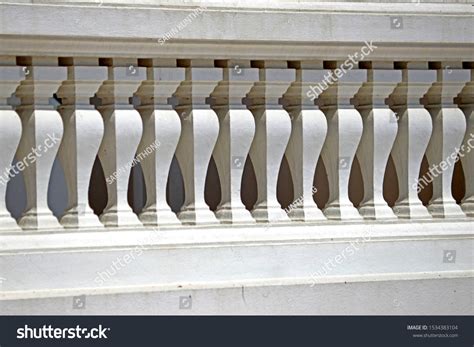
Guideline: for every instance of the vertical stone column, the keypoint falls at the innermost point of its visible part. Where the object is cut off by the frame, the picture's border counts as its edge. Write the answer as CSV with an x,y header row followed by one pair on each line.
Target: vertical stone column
x,y
465,101
83,131
449,127
236,132
122,134
161,131
344,133
414,132
41,137
10,133
200,129
273,129
379,132
308,132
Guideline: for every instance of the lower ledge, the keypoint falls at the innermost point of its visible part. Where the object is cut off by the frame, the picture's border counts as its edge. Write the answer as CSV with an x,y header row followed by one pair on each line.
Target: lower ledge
x,y
329,268
420,294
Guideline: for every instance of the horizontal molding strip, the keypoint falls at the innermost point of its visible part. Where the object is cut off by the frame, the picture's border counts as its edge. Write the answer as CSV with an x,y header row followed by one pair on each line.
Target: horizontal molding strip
x,y
193,237
56,46
53,293
342,6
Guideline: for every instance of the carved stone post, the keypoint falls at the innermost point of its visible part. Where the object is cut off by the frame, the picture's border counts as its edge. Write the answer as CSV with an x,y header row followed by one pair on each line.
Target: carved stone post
x,y
236,132
123,132
344,133
273,129
449,127
378,136
200,128
161,132
10,133
41,137
83,131
465,101
308,132
414,132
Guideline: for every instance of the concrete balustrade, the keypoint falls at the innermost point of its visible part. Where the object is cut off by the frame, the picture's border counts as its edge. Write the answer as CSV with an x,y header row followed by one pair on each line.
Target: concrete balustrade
x,y
216,151
248,117
232,110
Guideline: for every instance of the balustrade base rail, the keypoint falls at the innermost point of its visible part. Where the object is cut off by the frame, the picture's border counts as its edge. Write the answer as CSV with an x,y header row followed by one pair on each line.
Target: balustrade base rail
x,y
150,271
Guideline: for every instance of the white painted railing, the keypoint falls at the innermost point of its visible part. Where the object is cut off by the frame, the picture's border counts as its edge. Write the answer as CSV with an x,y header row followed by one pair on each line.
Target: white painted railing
x,y
148,110
217,148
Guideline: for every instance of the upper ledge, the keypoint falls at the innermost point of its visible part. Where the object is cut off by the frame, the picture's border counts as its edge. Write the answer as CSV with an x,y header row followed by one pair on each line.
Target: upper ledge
x,y
440,24
383,6
218,236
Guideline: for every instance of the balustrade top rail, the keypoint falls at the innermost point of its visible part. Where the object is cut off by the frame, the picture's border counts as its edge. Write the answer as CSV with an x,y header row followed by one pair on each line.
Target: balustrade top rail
x,y
299,31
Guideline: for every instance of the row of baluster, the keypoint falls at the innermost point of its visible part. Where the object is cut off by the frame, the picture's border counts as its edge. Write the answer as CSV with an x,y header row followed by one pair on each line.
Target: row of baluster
x,y
195,109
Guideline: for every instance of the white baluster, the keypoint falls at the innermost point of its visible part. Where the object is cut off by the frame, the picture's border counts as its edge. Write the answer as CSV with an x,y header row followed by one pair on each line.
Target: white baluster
x,y
41,137
449,127
378,136
10,133
273,129
308,132
236,132
123,132
414,132
466,103
161,132
200,129
83,131
344,133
